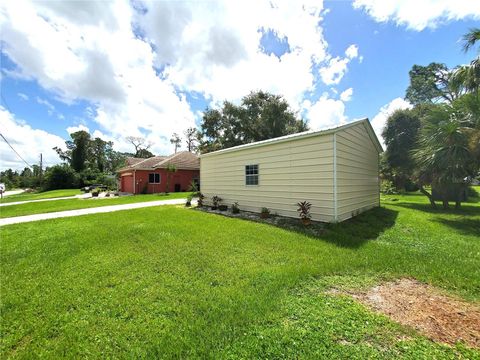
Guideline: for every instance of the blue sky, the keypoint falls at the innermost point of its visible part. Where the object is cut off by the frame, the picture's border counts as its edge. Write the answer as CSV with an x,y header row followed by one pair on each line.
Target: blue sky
x,y
116,71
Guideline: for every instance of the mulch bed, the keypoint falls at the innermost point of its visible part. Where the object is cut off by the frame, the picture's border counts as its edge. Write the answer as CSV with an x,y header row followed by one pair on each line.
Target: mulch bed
x,y
315,229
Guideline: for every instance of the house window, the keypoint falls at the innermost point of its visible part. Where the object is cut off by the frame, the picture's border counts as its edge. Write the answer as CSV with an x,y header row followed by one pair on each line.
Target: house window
x,y
154,178
251,175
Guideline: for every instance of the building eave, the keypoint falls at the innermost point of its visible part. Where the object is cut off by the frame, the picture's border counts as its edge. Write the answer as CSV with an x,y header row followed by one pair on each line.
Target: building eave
x,y
302,135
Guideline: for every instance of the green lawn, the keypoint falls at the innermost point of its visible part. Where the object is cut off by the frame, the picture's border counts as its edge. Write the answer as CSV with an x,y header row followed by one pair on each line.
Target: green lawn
x,y
169,282
73,204
40,195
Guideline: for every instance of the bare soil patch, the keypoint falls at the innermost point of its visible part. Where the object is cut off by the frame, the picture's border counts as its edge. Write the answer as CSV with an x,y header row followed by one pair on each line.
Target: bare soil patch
x,y
421,306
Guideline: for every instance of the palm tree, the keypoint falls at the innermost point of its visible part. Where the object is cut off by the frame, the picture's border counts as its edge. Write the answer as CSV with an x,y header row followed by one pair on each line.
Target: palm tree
x,y
468,76
169,169
444,158
470,39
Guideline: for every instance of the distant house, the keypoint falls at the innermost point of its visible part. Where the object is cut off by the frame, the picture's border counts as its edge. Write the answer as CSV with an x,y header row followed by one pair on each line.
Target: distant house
x,y
334,169
150,175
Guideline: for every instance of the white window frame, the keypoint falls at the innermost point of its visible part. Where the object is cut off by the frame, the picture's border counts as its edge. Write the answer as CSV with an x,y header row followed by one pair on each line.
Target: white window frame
x,y
257,175
154,174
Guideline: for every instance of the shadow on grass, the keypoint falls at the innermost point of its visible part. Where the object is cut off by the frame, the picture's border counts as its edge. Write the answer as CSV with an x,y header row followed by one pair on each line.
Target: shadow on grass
x,y
351,233
465,226
466,208
356,231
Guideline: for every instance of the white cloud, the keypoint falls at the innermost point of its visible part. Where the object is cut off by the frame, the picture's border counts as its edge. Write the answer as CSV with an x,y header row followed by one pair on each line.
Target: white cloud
x,y
72,129
337,67
51,110
378,122
47,104
352,51
23,96
418,15
135,81
99,60
346,95
325,112
28,142
215,49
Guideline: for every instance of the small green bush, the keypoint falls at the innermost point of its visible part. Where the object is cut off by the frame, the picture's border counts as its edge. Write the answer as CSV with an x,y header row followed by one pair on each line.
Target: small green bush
x,y
387,188
189,200
216,200
60,177
235,208
201,197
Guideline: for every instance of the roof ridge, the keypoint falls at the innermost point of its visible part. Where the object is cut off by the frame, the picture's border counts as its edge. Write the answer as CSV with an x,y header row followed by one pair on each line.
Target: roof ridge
x,y
168,158
325,130
142,161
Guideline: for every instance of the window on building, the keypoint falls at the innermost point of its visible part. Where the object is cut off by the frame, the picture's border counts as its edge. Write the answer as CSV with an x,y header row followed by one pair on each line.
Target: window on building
x,y
154,178
251,175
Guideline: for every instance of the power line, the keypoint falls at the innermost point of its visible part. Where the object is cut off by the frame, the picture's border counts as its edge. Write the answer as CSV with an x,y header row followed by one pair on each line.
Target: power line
x,y
3,137
15,151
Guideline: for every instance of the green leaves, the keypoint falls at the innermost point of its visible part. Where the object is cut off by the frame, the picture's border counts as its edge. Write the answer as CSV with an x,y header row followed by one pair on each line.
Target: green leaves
x,y
260,116
431,84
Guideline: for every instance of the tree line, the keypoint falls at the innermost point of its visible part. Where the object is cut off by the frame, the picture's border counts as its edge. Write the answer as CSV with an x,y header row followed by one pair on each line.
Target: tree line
x,y
259,116
86,160
435,146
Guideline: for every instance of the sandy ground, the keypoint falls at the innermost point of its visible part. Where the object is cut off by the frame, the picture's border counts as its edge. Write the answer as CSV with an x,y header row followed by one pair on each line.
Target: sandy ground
x,y
439,317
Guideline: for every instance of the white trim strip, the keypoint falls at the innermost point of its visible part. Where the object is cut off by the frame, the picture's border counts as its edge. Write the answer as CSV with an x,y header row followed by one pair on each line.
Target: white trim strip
x,y
335,205
295,136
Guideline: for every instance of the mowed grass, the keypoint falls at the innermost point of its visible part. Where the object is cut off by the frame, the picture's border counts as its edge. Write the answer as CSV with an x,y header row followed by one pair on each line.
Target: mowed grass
x,y
40,195
73,204
169,282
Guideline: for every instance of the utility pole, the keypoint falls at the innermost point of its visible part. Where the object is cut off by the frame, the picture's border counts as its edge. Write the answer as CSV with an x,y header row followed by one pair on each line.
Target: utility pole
x,y
41,165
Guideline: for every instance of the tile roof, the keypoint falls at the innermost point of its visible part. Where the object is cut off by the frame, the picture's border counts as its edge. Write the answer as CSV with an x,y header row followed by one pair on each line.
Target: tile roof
x,y
182,160
133,160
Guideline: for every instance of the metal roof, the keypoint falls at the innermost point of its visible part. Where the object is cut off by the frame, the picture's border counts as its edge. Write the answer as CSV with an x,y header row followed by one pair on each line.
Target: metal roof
x,y
305,134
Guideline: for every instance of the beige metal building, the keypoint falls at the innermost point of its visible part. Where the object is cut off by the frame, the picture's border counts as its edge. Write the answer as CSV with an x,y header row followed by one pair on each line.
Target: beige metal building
x,y
335,169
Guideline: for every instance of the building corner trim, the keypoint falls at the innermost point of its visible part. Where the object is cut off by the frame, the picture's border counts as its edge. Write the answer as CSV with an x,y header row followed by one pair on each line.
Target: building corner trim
x,y
335,207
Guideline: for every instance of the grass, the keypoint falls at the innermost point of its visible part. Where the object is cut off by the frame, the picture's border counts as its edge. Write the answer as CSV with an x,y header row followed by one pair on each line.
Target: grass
x,y
73,204
40,195
169,282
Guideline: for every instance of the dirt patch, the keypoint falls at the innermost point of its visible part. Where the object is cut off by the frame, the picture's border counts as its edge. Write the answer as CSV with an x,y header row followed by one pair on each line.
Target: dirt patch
x,y
437,316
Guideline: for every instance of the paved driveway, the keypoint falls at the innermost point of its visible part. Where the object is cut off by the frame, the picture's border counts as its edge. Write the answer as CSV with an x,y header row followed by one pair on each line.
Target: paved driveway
x,y
81,196
97,210
12,192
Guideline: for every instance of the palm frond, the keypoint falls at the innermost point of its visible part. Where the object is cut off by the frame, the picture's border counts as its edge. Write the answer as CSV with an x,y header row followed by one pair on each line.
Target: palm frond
x,y
470,39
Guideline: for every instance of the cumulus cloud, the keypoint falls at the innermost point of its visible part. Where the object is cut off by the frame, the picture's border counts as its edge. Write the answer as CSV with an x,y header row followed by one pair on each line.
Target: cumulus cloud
x,y
324,112
73,129
134,62
378,122
215,50
99,60
418,15
352,51
28,142
338,66
346,95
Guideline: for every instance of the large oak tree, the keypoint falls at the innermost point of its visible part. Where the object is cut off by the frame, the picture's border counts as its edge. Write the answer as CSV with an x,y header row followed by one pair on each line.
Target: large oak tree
x,y
259,116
